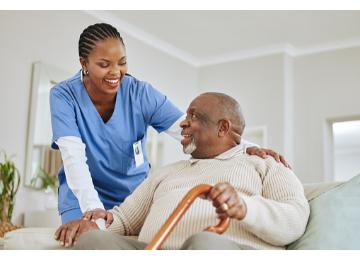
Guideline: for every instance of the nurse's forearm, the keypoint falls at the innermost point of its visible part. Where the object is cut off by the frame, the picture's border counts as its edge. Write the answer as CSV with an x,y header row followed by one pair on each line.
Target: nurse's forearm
x,y
77,173
175,130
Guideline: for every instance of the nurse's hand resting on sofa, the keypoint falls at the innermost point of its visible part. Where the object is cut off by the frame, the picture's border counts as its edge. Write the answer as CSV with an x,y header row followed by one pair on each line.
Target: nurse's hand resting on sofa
x,y
69,233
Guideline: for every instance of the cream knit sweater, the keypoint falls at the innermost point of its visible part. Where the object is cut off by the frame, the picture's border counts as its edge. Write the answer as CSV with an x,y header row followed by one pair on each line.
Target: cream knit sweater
x,y
277,210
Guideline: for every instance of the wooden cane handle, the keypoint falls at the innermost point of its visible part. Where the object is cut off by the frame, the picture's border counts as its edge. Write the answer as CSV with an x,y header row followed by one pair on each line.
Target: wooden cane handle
x,y
180,210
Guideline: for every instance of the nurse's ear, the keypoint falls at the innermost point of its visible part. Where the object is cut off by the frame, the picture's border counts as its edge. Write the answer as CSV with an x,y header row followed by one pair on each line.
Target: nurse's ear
x,y
83,63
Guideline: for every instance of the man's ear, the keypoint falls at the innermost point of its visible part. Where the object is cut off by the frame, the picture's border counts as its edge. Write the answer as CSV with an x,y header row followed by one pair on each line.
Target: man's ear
x,y
224,127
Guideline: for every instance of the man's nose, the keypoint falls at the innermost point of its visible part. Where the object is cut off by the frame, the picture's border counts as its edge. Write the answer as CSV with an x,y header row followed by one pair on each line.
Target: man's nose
x,y
184,123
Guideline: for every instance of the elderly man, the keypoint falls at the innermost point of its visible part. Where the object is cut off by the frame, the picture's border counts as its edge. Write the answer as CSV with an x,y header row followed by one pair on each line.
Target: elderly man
x,y
263,198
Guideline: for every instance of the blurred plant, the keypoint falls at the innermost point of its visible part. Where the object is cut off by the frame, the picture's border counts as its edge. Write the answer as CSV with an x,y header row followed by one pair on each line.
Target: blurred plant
x,y
9,185
44,180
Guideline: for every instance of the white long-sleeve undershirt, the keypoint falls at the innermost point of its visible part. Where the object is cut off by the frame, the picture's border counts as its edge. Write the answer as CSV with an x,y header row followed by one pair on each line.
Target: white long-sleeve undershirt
x,y
77,172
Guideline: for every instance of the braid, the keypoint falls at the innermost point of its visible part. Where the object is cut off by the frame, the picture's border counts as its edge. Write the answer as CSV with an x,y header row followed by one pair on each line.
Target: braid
x,y
95,33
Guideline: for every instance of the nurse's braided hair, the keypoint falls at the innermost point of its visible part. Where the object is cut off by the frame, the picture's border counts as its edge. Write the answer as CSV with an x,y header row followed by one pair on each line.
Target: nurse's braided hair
x,y
95,33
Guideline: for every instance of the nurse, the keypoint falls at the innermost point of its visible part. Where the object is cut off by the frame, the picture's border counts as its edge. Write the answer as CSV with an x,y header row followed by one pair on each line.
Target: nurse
x,y
99,121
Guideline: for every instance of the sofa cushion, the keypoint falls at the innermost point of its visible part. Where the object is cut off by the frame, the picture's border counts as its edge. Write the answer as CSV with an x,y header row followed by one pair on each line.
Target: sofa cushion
x,y
334,219
31,238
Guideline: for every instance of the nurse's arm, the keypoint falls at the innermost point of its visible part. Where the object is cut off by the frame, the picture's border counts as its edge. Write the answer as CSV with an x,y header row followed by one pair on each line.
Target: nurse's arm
x,y
77,173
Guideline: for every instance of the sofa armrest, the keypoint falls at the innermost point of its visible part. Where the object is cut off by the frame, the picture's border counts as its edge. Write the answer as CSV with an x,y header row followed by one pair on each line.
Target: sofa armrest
x,y
31,238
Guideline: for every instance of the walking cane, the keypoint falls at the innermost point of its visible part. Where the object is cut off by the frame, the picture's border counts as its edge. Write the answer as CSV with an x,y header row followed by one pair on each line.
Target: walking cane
x,y
180,210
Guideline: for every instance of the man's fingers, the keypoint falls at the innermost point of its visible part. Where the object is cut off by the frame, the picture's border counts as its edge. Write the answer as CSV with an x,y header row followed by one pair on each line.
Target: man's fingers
x,y
226,199
233,200
216,190
221,199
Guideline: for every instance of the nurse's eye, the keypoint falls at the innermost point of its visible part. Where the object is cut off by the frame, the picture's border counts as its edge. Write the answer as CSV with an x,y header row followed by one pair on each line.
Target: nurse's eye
x,y
103,65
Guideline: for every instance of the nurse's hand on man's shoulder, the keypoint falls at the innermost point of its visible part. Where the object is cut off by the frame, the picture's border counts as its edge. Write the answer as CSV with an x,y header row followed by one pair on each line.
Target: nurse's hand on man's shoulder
x,y
99,213
69,233
263,153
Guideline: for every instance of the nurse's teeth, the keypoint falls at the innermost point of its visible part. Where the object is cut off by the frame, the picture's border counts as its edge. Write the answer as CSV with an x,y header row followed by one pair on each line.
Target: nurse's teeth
x,y
112,81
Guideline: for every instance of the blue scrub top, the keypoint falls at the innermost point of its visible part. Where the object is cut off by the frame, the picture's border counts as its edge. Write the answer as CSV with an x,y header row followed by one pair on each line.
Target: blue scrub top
x,y
109,146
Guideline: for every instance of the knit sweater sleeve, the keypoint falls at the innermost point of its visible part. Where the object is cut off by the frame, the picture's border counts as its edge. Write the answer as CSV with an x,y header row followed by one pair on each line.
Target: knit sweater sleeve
x,y
278,216
130,216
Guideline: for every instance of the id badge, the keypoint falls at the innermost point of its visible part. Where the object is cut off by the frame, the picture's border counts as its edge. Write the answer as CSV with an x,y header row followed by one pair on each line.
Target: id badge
x,y
138,153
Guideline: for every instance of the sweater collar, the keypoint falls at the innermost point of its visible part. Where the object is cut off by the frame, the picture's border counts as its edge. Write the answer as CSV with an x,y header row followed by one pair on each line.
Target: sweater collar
x,y
235,151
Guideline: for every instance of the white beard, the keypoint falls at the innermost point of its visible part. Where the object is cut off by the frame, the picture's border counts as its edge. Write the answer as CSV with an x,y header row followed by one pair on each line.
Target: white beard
x,y
190,148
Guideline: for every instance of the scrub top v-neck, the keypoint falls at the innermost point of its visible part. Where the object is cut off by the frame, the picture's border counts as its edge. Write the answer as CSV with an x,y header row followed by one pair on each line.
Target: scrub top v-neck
x,y
109,145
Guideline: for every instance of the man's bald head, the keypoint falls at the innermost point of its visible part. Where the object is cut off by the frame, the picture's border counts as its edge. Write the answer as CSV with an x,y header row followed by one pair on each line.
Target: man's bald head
x,y
228,108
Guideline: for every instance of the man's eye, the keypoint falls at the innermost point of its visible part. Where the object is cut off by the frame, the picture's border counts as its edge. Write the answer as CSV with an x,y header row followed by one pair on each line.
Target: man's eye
x,y
193,116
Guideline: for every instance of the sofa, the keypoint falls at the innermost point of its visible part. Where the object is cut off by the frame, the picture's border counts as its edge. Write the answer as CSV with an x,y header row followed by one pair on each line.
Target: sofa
x,y
334,221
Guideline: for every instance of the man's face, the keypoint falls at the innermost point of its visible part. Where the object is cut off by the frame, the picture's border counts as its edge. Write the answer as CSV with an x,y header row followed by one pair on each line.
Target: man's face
x,y
200,129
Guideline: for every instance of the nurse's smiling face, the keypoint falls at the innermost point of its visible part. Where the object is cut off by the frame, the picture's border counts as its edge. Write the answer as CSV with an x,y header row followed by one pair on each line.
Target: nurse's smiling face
x,y
106,66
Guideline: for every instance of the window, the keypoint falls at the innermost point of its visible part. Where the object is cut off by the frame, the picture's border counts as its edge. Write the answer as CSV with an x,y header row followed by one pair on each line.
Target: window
x,y
346,141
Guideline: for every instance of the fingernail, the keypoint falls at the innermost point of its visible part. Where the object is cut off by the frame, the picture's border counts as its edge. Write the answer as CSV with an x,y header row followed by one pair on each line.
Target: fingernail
x,y
62,243
66,245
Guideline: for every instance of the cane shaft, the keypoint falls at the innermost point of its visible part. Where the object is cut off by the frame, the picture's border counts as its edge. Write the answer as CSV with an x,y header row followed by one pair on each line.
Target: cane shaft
x,y
180,210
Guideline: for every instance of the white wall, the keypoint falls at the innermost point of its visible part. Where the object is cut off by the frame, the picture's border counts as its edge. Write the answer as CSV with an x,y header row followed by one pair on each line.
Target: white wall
x,y
327,87
52,37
